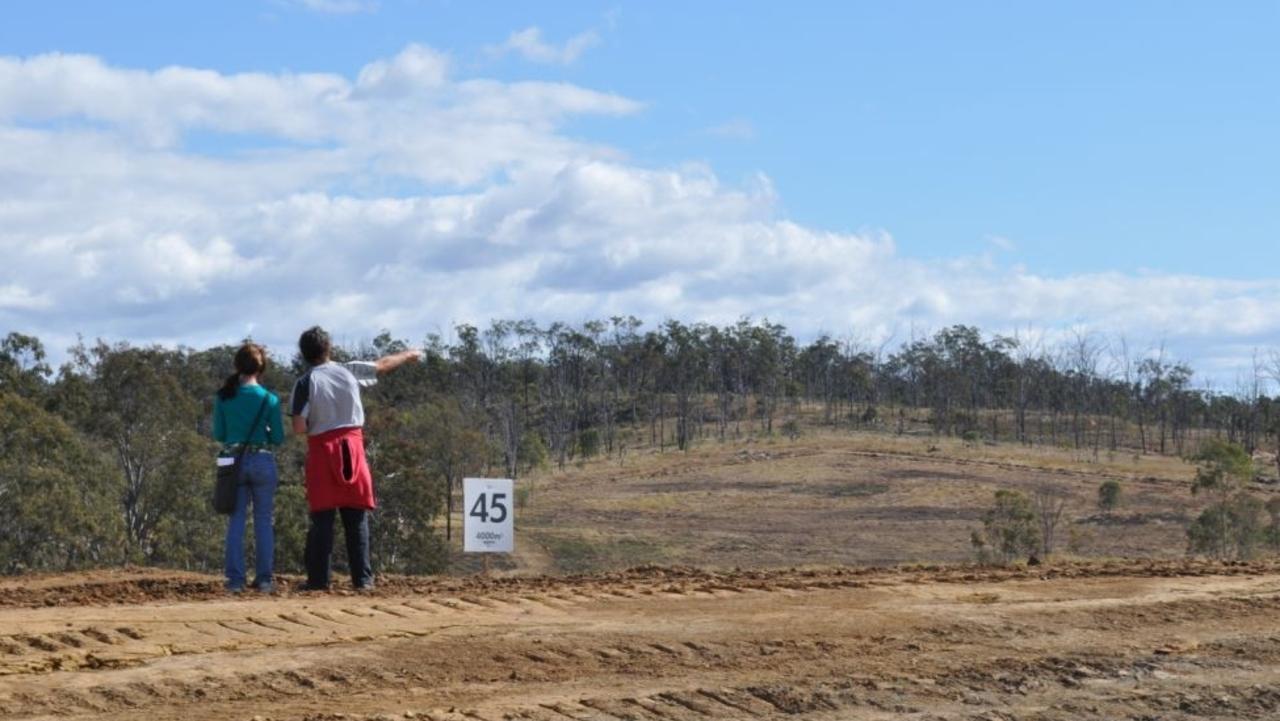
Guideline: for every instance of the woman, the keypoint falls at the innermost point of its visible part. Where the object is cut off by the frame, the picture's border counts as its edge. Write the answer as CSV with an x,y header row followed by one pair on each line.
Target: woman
x,y
240,402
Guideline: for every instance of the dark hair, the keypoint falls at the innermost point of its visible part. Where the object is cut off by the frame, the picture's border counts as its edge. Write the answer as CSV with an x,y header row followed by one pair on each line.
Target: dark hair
x,y
250,359
314,345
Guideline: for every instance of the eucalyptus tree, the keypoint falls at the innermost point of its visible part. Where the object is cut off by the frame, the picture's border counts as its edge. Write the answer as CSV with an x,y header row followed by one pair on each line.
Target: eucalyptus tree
x,y
59,494
24,369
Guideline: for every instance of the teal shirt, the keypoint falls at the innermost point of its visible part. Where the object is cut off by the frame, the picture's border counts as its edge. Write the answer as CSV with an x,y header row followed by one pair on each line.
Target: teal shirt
x,y
231,418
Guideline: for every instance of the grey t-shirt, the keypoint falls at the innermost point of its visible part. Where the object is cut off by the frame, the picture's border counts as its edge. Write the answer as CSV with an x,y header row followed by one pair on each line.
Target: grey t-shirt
x,y
328,395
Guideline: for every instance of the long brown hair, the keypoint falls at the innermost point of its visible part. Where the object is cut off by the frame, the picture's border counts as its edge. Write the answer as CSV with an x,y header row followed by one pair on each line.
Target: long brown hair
x,y
250,359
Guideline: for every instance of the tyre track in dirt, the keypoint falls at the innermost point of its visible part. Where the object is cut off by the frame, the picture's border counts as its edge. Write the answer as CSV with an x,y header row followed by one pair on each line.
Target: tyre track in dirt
x,y
1124,640
111,589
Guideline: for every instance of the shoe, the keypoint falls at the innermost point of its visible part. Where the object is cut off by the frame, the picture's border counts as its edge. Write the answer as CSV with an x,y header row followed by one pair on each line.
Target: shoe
x,y
266,587
233,588
366,587
305,587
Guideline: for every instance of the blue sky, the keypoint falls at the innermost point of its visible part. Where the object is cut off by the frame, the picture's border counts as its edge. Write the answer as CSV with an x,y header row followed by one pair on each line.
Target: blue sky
x,y
1093,136
1069,149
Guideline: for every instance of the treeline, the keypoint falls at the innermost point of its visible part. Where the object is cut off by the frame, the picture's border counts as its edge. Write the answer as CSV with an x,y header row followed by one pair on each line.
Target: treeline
x,y
107,457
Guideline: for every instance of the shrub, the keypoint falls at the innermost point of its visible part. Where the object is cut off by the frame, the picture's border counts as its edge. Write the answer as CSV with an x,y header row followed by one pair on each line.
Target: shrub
x,y
1109,496
532,453
589,443
791,429
1272,533
59,496
1229,529
1009,529
1221,467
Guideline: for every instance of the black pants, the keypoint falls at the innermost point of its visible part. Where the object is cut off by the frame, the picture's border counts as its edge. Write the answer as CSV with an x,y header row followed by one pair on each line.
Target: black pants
x,y
355,527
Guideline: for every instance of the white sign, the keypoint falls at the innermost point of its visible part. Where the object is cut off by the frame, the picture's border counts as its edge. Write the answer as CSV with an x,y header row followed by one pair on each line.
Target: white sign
x,y
489,507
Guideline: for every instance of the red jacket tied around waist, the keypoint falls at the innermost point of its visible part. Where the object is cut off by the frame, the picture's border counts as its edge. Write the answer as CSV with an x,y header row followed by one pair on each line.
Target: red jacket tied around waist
x,y
337,473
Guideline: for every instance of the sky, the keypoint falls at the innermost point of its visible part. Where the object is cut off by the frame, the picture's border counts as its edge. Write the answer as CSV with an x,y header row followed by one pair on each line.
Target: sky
x,y
195,173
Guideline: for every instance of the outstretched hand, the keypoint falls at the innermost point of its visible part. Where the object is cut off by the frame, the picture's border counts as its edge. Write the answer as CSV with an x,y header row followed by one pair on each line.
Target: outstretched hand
x,y
395,360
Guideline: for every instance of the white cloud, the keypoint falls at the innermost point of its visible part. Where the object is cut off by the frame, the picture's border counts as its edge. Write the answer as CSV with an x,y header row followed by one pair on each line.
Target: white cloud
x,y
17,297
402,115
409,199
415,69
528,43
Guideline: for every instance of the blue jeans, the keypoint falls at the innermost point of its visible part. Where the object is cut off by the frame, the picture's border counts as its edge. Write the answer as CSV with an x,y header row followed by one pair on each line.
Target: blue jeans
x,y
259,488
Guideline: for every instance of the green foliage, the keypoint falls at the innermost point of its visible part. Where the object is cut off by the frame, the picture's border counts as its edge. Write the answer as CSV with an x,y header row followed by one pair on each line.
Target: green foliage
x,y
1109,495
589,443
58,494
291,522
791,429
1222,467
136,401
418,456
1009,529
1271,535
23,370
522,393
1232,528
410,385
532,454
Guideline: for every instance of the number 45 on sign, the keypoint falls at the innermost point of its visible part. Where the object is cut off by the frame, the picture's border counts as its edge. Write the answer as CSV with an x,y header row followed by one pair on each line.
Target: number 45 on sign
x,y
489,526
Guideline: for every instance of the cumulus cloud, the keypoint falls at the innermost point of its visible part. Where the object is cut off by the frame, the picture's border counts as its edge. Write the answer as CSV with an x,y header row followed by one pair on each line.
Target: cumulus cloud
x,y
528,44
416,68
410,199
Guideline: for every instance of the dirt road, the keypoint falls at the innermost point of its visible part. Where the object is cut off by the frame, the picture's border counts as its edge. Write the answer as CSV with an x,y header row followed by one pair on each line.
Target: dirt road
x,y
1134,640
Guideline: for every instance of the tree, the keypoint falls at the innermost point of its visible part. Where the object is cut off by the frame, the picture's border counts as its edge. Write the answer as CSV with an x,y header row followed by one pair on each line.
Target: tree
x,y
1231,526
404,453
1109,494
23,370
1009,529
1049,502
1222,467
1272,533
139,402
1274,370
59,495
437,438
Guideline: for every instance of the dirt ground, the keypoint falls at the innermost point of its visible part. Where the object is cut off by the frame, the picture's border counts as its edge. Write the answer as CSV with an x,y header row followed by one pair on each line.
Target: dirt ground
x,y
763,590
840,498
1119,640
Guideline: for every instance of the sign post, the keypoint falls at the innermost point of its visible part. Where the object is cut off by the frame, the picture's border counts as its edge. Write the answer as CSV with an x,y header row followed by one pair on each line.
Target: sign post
x,y
489,516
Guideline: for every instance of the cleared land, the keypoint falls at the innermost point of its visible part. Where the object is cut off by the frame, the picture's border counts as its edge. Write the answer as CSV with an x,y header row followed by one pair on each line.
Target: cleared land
x,y
743,636
1139,640
840,499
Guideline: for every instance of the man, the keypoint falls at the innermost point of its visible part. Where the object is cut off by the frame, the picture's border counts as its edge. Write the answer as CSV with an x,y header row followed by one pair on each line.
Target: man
x,y
326,407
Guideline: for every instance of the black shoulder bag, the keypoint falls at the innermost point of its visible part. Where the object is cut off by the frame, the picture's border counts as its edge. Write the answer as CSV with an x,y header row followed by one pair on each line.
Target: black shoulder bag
x,y
227,481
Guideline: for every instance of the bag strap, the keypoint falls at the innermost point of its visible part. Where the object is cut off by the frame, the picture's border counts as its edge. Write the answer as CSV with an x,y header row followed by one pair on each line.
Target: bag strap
x,y
252,427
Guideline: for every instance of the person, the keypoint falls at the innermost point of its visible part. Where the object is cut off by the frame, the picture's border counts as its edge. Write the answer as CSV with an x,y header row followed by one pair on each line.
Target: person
x,y
246,414
326,406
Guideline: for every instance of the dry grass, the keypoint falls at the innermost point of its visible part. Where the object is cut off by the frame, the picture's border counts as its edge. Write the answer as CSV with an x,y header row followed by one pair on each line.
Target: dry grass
x,y
839,497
